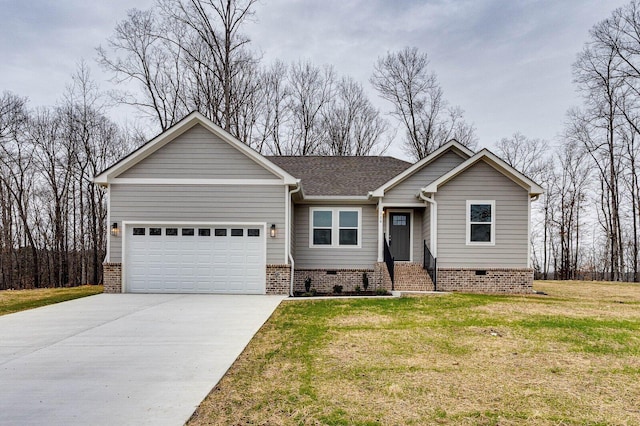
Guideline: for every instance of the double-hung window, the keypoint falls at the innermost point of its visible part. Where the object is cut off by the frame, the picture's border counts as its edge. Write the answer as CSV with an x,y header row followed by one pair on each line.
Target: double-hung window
x,y
335,227
481,222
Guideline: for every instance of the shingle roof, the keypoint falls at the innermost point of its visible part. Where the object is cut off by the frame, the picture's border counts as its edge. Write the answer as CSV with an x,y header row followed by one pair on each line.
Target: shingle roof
x,y
346,176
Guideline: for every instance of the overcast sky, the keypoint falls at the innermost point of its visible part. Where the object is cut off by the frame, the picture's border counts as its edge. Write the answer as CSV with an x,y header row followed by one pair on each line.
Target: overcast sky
x,y
507,63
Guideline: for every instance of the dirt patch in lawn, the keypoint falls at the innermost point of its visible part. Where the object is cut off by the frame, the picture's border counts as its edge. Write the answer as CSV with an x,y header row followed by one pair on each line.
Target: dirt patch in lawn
x,y
460,360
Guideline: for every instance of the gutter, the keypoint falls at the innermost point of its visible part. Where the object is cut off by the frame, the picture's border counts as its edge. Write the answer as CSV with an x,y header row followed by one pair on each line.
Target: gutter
x,y
289,219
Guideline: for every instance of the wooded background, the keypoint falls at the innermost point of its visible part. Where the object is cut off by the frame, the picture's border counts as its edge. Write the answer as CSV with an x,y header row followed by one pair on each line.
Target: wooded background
x,y
185,55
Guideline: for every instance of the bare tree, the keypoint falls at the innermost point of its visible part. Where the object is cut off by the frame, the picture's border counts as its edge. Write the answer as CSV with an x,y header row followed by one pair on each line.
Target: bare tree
x,y
215,25
141,51
596,72
531,157
527,155
312,89
403,78
12,119
351,124
18,178
274,114
186,55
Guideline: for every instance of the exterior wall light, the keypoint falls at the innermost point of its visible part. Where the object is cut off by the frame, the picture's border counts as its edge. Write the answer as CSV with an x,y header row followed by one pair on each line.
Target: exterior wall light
x,y
273,230
114,229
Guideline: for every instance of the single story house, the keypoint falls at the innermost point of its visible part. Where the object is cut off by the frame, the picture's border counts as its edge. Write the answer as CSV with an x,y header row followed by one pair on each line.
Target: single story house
x,y
194,210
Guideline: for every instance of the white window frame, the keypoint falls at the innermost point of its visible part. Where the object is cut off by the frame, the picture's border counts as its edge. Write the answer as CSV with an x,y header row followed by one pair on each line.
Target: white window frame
x,y
335,227
492,203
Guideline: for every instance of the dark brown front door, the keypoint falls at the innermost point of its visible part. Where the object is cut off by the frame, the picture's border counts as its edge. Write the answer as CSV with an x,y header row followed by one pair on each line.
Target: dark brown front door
x,y
399,235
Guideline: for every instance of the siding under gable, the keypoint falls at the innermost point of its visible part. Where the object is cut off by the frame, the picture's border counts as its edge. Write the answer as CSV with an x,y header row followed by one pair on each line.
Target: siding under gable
x,y
483,182
206,203
406,191
198,154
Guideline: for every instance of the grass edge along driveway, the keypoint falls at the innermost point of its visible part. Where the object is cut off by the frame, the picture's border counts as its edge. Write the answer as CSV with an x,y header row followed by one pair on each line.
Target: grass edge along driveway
x,y
572,357
19,300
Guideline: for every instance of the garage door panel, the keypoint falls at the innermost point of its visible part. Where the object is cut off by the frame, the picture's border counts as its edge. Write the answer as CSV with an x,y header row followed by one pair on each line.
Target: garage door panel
x,y
205,262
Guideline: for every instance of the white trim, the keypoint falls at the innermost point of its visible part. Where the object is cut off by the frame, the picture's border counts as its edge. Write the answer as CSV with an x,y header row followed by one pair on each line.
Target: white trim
x,y
126,223
493,222
189,223
405,205
380,216
357,198
335,227
108,257
287,202
452,144
176,130
493,161
529,235
410,211
162,181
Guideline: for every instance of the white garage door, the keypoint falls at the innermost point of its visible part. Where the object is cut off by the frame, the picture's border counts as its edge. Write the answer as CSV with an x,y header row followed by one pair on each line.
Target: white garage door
x,y
195,259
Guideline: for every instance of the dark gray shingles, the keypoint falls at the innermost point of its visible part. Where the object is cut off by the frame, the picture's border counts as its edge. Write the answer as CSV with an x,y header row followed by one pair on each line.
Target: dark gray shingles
x,y
347,176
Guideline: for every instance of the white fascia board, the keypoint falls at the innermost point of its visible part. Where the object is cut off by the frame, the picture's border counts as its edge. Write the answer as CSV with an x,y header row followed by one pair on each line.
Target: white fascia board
x,y
189,223
337,198
162,181
495,162
451,145
182,126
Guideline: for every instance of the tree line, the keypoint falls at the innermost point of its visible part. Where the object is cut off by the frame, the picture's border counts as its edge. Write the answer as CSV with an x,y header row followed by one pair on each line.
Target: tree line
x,y
185,55
52,217
587,226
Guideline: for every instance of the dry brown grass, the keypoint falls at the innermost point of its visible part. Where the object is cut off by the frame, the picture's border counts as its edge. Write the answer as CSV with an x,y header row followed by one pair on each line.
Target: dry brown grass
x,y
19,300
572,357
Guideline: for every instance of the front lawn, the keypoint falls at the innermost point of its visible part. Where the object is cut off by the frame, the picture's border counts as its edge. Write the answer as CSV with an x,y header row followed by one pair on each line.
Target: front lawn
x,y
571,357
19,300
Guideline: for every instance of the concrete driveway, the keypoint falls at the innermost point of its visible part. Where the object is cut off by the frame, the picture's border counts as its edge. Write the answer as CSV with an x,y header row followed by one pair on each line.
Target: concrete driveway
x,y
121,359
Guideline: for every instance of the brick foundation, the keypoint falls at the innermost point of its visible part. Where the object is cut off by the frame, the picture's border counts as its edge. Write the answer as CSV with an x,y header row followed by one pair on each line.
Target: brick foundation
x,y
496,280
112,277
279,279
323,282
381,277
411,277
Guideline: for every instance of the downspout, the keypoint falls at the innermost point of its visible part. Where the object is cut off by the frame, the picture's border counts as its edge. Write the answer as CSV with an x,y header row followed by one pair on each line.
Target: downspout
x,y
290,221
434,229
434,221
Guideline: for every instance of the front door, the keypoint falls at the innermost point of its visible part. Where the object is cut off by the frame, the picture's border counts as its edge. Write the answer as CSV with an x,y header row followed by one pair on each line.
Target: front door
x,y
400,235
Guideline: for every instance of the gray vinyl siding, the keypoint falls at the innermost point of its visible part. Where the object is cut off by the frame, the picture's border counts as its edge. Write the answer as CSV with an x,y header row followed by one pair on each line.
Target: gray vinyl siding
x,y
198,154
407,190
335,257
482,182
426,225
207,203
417,235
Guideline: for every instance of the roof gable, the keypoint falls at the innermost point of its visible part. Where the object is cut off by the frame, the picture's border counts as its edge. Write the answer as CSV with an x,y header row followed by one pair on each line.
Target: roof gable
x,y
495,162
149,154
452,145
